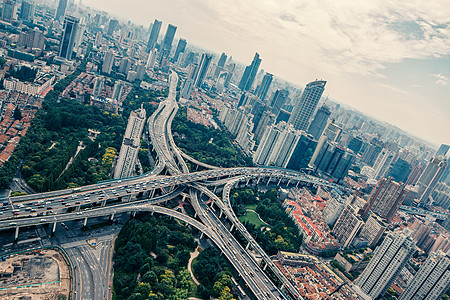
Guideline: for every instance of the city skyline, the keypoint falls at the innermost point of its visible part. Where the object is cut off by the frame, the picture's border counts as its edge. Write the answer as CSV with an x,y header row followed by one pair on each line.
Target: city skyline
x,y
390,62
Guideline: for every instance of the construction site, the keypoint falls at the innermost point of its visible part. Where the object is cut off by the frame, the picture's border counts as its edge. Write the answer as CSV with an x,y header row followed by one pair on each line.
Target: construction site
x,y
35,275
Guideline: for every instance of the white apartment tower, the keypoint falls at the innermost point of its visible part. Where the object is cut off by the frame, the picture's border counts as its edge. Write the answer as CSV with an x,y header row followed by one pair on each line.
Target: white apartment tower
x,y
432,279
387,262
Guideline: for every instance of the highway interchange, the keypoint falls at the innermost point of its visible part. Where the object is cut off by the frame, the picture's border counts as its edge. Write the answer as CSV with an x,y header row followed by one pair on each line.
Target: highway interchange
x,y
169,179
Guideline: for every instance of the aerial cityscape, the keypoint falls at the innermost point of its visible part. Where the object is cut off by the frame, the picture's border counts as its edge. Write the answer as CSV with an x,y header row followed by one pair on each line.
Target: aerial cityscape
x,y
202,150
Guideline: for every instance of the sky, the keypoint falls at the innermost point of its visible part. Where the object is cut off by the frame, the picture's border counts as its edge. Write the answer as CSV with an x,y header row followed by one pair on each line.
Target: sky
x,y
389,59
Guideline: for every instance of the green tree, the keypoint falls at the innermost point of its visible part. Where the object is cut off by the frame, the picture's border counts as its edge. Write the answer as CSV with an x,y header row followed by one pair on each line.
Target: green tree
x,y
17,114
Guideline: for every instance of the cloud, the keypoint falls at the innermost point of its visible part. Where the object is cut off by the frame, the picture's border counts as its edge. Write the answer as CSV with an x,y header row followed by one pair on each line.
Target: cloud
x,y
392,88
440,79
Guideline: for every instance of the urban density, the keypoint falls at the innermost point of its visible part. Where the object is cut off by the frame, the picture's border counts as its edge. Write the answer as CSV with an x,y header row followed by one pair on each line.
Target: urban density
x,y
134,164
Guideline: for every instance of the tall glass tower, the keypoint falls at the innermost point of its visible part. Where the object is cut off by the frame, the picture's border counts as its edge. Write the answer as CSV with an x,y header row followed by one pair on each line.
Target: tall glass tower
x,y
250,73
307,104
68,37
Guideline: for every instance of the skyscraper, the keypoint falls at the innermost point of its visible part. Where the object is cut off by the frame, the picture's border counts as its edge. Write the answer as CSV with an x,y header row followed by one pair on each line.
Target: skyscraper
x,y
432,279
319,122
9,10
386,198
278,100
430,177
203,69
61,10
302,153
168,40
68,37
443,150
265,85
154,34
152,58
27,11
180,49
108,62
307,104
387,262
112,26
250,73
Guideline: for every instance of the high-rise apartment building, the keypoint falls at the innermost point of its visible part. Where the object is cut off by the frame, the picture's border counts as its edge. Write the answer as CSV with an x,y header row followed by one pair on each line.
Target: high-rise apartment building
x,y
279,99
181,46
154,34
27,11
307,104
108,62
347,226
112,26
117,90
152,59
373,230
430,177
386,198
125,65
9,10
265,85
250,73
432,280
61,9
319,122
68,37
387,262
126,162
98,86
203,69
383,163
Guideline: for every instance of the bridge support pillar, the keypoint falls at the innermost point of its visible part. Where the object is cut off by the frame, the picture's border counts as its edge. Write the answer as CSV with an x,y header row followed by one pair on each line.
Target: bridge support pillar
x,y
232,227
54,227
257,182
248,245
77,208
103,203
152,192
215,188
111,218
268,181
196,168
282,286
248,181
195,215
289,181
297,184
133,214
85,222
16,234
201,235
279,181
221,213
184,198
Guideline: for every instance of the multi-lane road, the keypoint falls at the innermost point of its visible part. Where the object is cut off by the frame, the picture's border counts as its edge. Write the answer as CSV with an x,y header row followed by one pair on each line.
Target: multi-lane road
x,y
143,193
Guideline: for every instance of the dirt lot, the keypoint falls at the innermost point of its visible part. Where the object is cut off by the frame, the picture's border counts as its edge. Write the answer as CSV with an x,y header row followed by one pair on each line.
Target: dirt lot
x,y
40,275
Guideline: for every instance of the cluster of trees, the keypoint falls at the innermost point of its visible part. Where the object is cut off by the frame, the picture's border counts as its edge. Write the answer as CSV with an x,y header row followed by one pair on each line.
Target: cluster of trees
x,y
212,271
208,145
27,143
137,275
24,73
283,234
55,137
